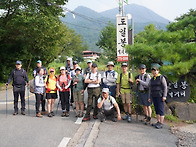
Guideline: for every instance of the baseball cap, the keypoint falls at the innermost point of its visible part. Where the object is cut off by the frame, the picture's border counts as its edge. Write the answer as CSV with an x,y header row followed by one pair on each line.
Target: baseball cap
x,y
62,68
142,66
94,65
18,62
124,64
110,63
69,59
105,90
52,70
88,61
75,62
39,61
78,68
155,67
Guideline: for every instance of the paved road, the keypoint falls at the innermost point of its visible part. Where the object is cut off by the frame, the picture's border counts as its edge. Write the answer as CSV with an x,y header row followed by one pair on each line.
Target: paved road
x,y
29,131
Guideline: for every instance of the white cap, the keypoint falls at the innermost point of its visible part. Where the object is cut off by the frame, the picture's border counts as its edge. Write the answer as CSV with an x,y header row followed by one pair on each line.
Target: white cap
x,y
105,90
69,59
78,68
62,68
110,63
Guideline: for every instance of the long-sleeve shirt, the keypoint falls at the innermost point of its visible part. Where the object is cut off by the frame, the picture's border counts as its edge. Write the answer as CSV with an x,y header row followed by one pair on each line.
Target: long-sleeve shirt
x,y
19,77
144,81
39,84
111,78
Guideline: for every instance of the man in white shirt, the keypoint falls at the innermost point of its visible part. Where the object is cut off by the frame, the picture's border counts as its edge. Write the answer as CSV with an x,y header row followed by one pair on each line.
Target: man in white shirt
x,y
93,79
107,105
109,79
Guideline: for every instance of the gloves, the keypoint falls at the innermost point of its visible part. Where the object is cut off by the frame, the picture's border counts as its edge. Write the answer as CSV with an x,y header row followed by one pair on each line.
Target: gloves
x,y
48,89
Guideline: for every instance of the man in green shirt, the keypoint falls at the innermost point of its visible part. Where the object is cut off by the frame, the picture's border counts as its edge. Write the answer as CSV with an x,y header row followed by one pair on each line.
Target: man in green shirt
x,y
123,90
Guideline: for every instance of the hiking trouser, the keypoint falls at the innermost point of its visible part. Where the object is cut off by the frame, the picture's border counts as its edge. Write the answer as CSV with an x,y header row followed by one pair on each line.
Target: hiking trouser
x,y
22,97
43,102
64,97
107,113
92,92
158,105
38,97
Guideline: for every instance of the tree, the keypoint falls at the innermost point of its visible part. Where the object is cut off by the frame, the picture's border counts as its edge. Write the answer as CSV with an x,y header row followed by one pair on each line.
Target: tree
x,y
174,50
107,41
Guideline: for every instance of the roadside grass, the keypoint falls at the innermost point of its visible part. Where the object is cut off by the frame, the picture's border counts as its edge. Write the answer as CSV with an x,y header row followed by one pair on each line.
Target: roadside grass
x,y
171,118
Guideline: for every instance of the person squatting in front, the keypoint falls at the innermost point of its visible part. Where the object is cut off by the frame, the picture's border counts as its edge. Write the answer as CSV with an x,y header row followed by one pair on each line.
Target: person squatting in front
x,y
20,79
124,82
109,79
142,81
93,79
78,92
51,91
158,92
39,90
107,106
63,84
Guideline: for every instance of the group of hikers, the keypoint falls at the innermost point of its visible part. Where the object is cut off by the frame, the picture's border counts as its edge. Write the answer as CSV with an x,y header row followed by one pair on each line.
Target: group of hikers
x,y
104,90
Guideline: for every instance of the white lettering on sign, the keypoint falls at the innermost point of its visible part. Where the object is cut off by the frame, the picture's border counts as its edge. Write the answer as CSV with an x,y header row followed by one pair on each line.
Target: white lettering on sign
x,y
122,38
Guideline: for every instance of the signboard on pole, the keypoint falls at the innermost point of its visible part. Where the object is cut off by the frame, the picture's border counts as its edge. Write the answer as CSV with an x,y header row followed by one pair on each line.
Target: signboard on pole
x,y
122,38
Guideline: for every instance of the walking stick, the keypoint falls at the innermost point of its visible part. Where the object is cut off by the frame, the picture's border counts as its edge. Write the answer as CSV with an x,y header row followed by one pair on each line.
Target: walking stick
x,y
137,103
28,100
6,101
58,105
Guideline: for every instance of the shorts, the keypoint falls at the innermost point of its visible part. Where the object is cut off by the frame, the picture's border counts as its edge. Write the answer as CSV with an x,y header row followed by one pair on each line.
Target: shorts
x,y
51,95
143,97
78,97
126,98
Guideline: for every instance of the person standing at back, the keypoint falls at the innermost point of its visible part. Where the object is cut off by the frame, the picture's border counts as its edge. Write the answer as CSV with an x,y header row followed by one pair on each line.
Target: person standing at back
x,y
93,79
142,82
124,82
109,79
63,83
20,79
69,65
158,92
88,69
35,73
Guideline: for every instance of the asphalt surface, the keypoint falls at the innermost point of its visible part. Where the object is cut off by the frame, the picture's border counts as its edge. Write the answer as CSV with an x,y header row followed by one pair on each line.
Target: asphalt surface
x,y
29,131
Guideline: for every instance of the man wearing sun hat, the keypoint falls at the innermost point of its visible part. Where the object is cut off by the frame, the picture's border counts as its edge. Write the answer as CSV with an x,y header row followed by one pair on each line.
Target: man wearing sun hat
x,y
109,79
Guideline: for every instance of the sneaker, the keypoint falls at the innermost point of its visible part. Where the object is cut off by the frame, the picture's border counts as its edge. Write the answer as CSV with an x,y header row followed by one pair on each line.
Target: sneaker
x,y
67,114
52,113
126,117
95,117
81,114
159,126
49,115
148,121
86,119
44,113
39,115
129,119
63,114
155,124
23,112
15,113
77,114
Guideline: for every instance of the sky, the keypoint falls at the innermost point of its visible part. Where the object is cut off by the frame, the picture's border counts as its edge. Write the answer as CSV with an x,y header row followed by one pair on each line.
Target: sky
x,y
168,9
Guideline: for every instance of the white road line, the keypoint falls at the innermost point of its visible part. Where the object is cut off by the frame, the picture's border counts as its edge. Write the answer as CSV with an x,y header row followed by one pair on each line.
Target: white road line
x,y
3,103
79,120
64,142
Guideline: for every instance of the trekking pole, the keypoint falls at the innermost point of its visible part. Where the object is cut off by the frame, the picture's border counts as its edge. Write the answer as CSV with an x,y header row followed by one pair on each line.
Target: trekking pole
x,y
137,107
58,105
28,100
6,101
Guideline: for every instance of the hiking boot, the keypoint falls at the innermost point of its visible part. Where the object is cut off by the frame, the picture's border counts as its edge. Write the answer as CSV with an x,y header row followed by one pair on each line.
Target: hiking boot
x,y
159,126
129,118
126,117
86,119
63,114
39,115
15,113
77,114
23,112
95,117
67,114
155,124
52,113
49,115
148,121
44,113
114,119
